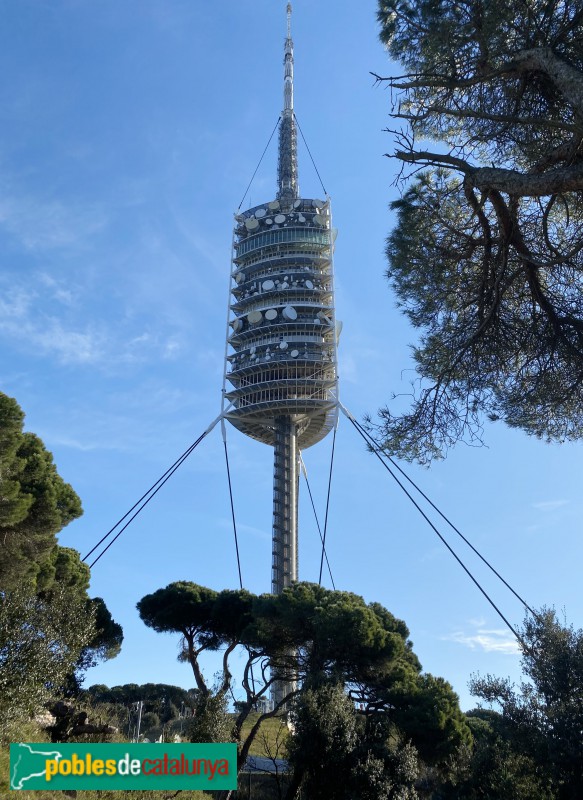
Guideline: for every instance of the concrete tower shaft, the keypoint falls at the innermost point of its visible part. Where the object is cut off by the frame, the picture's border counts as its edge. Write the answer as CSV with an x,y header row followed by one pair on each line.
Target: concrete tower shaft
x,y
280,382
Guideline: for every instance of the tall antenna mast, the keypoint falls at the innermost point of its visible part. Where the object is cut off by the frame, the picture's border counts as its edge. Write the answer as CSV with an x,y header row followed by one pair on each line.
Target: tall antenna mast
x,y
281,335
287,165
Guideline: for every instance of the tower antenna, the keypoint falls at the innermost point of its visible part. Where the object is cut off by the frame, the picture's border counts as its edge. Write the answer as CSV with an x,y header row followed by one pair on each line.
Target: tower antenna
x,y
287,163
281,345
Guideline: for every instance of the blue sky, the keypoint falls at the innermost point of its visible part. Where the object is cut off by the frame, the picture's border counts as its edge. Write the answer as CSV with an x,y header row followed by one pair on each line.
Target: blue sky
x,y
128,134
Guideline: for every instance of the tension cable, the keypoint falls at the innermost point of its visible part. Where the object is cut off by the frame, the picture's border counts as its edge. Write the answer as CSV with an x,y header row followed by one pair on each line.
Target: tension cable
x,y
328,502
435,530
146,497
305,474
310,154
224,433
258,165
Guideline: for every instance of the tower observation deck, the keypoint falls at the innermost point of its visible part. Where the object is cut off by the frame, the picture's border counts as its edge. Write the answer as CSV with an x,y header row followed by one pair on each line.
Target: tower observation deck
x,y
280,366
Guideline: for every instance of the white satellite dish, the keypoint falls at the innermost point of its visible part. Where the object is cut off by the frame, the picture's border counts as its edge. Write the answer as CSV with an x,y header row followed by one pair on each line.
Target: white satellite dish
x,y
268,221
240,277
309,285
279,219
274,205
294,353
319,219
318,203
268,285
301,218
283,345
237,324
290,313
297,203
271,314
254,317
251,224
261,212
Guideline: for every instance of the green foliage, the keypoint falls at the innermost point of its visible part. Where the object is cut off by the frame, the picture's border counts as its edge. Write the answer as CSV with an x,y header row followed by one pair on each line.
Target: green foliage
x,y
65,570
430,715
210,722
342,756
543,718
325,737
329,630
331,643
67,631
272,741
109,634
35,504
162,699
40,644
498,767
487,254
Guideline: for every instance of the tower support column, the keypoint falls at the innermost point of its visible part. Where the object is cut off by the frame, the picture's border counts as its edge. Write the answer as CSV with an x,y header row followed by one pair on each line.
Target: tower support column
x,y
285,505
285,527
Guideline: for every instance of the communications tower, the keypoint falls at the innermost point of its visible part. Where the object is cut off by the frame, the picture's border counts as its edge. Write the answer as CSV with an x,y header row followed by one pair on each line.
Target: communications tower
x,y
280,378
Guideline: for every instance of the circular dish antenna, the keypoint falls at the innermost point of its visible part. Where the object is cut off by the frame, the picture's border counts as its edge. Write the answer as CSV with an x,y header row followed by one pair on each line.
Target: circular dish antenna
x,y
290,313
283,345
240,277
261,212
279,219
254,317
285,285
251,224
274,205
297,203
318,203
319,219
309,285
268,286
294,353
301,218
237,324
271,314
268,221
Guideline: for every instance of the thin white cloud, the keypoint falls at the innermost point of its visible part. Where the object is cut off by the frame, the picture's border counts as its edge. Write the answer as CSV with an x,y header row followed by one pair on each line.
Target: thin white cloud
x,y
58,440
58,291
488,640
242,528
26,318
550,505
47,225
49,336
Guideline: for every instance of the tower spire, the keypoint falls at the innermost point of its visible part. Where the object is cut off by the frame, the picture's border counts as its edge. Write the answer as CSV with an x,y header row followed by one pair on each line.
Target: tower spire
x,y
280,358
287,165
